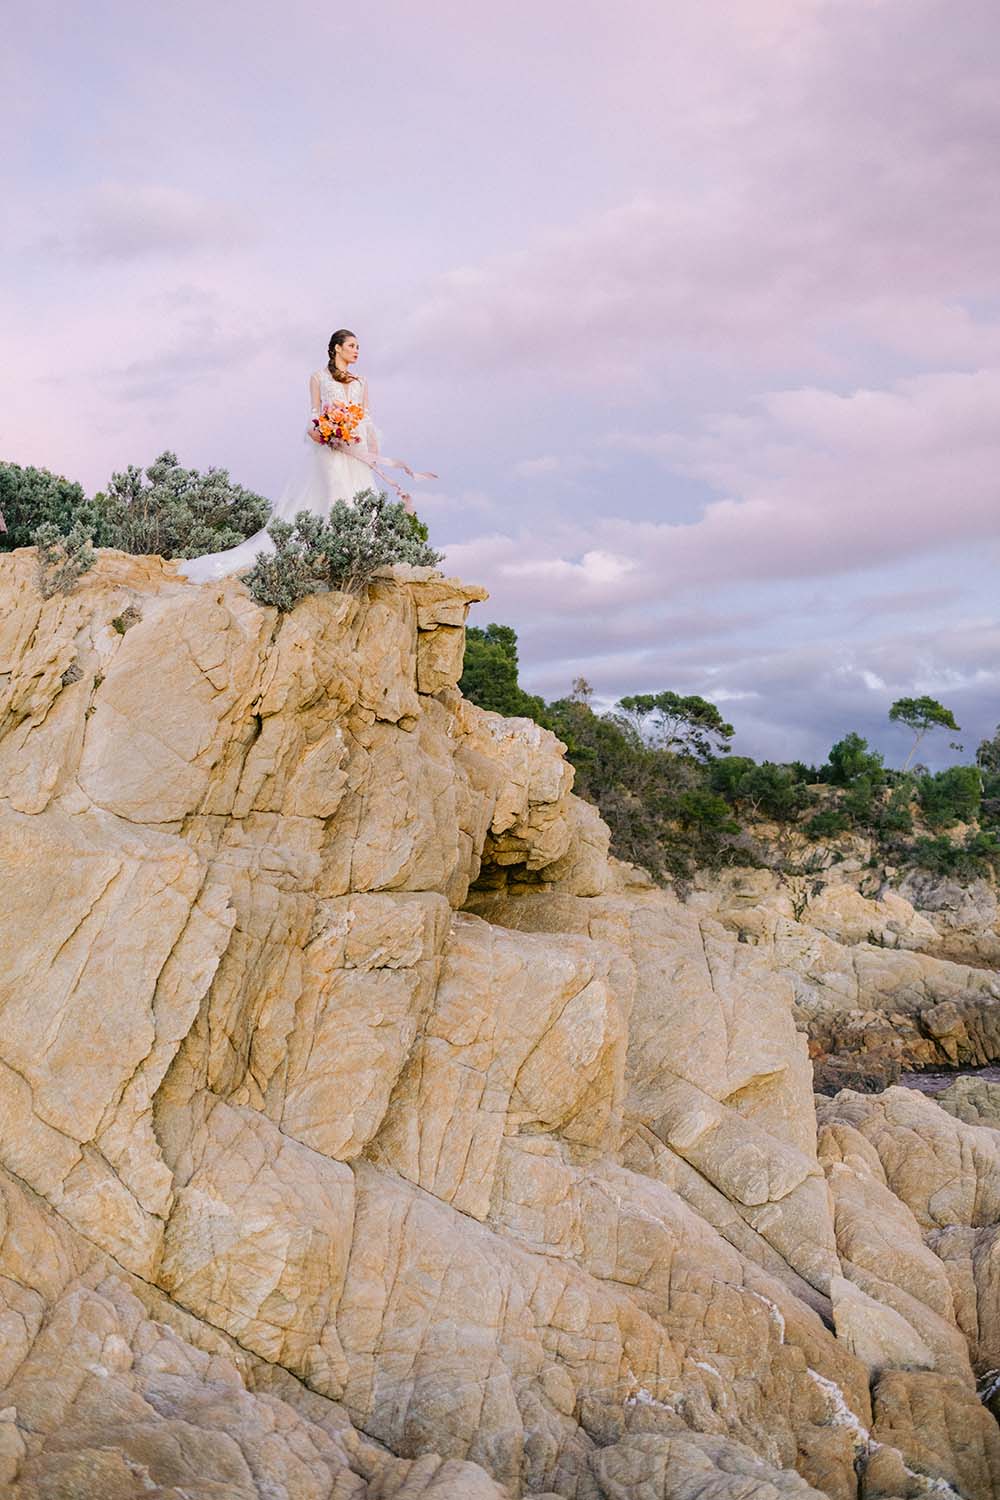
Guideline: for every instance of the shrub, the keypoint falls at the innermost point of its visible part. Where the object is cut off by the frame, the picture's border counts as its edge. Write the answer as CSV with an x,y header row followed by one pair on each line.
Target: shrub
x,y
989,808
895,817
977,856
342,552
62,559
951,796
421,530
828,824
30,498
175,512
859,801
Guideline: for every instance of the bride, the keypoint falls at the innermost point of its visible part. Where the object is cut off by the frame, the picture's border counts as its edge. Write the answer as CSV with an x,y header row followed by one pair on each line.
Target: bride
x,y
330,474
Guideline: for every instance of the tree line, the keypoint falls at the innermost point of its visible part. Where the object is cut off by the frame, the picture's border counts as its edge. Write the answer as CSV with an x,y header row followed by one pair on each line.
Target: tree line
x,y
659,768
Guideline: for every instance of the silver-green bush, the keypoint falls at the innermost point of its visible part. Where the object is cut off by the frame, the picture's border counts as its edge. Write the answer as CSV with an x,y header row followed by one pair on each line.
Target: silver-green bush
x,y
30,498
176,512
63,558
342,552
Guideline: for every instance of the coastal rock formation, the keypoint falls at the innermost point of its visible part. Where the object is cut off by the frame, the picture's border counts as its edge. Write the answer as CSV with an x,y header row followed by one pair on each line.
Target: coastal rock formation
x,y
366,1132
880,984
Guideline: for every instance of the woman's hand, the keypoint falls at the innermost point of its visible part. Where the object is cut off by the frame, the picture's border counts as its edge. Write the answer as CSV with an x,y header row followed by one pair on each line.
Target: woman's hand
x,y
311,432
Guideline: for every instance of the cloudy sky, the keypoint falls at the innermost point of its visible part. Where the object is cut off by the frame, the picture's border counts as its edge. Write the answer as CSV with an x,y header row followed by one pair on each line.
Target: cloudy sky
x,y
694,307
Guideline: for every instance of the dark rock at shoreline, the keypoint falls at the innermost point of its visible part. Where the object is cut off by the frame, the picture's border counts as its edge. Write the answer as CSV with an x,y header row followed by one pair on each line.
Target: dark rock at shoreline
x,y
864,1073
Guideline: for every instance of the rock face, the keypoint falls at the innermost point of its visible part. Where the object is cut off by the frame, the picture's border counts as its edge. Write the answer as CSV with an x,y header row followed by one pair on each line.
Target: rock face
x,y
365,1132
884,977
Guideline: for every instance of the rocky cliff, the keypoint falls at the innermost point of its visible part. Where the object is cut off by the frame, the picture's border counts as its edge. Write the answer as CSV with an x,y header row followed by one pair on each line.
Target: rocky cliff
x,y
889,969
366,1133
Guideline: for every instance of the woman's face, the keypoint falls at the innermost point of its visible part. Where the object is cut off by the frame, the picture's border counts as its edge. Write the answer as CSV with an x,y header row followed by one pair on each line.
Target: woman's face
x,y
348,350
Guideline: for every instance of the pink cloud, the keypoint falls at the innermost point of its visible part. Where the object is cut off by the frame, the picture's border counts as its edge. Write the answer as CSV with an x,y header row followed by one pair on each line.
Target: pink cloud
x,y
818,484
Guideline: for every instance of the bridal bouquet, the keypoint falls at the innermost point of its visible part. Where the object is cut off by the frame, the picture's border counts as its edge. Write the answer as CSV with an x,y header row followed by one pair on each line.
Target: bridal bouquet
x,y
337,423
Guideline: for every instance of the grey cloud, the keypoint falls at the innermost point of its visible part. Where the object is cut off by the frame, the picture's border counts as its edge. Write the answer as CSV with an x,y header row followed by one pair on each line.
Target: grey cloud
x,y
194,355
122,222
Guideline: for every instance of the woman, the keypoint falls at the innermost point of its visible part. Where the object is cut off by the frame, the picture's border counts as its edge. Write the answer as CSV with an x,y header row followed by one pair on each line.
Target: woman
x,y
330,474
335,474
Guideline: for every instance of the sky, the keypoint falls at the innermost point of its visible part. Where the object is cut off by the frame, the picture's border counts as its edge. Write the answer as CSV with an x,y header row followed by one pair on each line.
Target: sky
x,y
694,308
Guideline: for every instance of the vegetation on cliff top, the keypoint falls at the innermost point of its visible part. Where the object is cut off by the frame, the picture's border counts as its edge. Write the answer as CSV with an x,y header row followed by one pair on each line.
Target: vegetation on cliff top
x,y
164,509
343,552
658,768
168,511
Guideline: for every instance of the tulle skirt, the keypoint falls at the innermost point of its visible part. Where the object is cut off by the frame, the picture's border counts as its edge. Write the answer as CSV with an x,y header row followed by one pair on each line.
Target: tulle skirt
x,y
325,476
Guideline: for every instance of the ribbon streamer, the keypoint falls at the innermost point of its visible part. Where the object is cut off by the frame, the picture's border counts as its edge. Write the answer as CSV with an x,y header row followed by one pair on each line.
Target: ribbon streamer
x,y
373,461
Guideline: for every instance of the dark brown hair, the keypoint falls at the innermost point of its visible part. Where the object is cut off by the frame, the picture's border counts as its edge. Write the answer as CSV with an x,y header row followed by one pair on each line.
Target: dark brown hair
x,y
340,337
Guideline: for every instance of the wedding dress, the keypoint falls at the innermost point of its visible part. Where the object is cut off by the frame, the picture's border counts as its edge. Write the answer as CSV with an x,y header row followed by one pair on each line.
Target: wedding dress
x,y
327,475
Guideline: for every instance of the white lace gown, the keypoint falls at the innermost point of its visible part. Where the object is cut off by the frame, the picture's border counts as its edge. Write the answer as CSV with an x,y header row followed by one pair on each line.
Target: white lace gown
x,y
327,475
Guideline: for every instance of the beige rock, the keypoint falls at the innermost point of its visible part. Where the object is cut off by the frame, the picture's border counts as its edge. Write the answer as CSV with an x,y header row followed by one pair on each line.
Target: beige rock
x,y
525,1034
258,1241
745,1337
368,981
689,1466
532,1188
964,914
940,1430
716,1069
493,1350
945,1172
109,943
530,823
882,1252
874,1332
103,1399
971,1260
974,1100
859,961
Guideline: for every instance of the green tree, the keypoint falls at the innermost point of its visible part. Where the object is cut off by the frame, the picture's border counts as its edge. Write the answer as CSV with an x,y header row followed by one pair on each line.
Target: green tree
x,y
489,673
988,761
951,796
661,810
772,791
727,772
860,801
30,498
687,725
988,754
978,855
850,758
176,512
705,814
920,715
